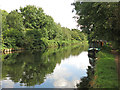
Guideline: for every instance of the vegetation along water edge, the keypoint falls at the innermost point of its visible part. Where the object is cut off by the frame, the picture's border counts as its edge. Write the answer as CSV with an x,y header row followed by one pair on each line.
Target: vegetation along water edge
x,y
30,28
103,71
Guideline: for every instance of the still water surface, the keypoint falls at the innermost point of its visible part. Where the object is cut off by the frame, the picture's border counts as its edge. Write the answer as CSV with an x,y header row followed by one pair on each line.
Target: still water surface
x,y
54,68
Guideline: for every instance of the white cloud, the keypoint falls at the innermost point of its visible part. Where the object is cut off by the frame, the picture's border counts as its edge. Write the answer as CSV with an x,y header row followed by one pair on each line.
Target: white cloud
x,y
69,72
60,83
80,61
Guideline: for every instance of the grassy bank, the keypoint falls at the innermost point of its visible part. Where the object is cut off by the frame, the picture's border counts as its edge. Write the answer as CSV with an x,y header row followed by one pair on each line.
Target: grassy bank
x,y
105,70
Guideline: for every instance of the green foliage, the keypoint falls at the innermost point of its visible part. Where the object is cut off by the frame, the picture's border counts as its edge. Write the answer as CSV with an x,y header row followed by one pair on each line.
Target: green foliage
x,y
106,48
31,28
44,32
15,20
99,20
51,27
12,38
4,23
66,33
50,43
33,39
33,17
59,34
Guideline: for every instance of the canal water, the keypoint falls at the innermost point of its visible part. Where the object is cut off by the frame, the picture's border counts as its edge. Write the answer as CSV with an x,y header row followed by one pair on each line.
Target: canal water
x,y
52,68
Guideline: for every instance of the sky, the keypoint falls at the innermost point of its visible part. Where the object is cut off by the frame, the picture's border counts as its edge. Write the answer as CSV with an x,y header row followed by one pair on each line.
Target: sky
x,y
60,10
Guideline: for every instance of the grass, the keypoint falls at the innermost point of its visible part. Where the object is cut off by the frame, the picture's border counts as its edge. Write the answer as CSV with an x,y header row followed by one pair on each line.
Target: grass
x,y
105,70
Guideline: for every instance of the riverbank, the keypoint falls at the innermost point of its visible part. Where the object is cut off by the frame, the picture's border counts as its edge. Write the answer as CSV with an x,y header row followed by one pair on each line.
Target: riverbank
x,y
105,70
46,44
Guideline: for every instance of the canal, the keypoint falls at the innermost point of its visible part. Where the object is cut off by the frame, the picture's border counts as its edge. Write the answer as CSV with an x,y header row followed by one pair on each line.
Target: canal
x,y
52,68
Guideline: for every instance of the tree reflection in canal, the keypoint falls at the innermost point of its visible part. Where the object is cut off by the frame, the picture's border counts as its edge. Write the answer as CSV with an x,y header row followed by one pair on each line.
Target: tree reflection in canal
x,y
86,82
29,68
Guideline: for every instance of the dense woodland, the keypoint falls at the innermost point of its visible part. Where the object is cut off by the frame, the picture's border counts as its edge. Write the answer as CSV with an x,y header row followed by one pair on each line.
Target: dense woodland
x,y
100,20
30,28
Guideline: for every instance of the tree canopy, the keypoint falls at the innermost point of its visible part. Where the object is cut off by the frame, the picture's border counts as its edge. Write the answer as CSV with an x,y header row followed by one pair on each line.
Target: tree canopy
x,y
100,20
29,27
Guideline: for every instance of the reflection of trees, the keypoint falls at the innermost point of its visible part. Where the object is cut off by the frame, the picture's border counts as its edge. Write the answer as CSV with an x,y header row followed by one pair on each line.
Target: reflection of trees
x,y
85,81
31,67
77,50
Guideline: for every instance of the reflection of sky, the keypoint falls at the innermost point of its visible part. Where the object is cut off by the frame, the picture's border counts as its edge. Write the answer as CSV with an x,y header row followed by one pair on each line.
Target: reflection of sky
x,y
65,75
7,83
68,73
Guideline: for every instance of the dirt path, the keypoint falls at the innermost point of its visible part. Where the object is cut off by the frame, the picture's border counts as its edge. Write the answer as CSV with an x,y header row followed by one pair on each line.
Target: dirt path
x,y
117,60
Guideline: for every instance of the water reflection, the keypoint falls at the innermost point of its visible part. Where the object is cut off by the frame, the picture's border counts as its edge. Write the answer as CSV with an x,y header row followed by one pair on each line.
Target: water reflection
x,y
86,82
52,68
67,74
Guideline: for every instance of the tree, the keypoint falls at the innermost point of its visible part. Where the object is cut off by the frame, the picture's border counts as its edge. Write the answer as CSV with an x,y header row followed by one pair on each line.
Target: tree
x,y
15,20
51,27
33,17
4,21
66,33
13,38
99,20
33,39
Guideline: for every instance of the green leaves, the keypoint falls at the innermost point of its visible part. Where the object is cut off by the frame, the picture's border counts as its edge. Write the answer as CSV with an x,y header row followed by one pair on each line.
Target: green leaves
x,y
33,17
30,25
4,23
99,19
33,38
15,20
12,38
